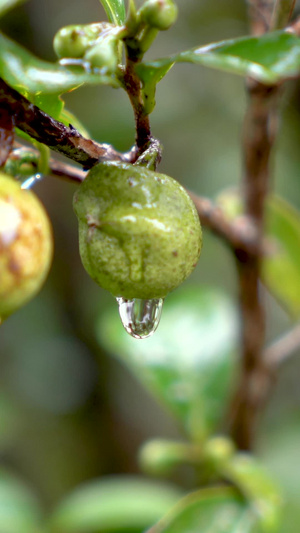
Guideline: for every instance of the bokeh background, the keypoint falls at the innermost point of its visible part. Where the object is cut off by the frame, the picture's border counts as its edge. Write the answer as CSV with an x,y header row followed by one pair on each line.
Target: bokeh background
x,y
69,411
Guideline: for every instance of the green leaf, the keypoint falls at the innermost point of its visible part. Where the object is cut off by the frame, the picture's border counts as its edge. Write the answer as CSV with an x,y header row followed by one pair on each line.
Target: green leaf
x,y
115,10
34,77
116,504
270,58
281,265
216,510
251,478
190,361
19,511
6,5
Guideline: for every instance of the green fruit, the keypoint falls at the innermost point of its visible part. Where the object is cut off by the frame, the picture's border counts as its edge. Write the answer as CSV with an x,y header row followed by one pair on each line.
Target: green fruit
x,y
74,40
139,232
159,14
25,245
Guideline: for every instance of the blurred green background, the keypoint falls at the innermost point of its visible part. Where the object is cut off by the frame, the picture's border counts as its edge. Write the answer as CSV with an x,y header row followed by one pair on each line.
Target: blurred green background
x,y
69,412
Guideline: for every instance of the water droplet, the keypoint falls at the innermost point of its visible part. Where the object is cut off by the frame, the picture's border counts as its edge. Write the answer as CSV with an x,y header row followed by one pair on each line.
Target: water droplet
x,y
140,318
31,181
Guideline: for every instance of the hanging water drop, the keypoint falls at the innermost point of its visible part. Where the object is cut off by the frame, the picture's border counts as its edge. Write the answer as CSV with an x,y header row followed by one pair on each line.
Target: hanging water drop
x,y
139,317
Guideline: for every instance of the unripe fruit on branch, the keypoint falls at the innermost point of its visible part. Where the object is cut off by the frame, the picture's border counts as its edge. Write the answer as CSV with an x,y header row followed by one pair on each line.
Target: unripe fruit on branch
x,y
103,55
139,232
74,40
159,14
25,245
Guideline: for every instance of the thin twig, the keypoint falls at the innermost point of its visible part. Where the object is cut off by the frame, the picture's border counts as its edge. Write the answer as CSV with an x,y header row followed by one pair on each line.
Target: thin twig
x,y
283,348
132,84
256,378
282,13
239,235
260,12
7,134
60,138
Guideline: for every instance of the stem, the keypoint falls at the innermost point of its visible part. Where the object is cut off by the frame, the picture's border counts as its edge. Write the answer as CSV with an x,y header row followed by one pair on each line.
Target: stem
x,y
256,376
7,133
282,13
133,87
260,12
239,235
60,138
284,347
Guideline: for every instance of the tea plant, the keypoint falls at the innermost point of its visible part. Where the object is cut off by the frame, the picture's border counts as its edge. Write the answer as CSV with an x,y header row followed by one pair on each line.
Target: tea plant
x,y
140,238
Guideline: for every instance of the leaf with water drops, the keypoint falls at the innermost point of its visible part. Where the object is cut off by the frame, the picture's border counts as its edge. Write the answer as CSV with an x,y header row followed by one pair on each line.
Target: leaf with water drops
x,y
189,363
281,264
215,510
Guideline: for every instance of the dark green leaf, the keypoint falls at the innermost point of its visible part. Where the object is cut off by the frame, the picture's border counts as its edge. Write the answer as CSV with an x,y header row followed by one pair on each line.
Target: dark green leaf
x,y
269,58
281,265
19,511
33,77
116,504
115,10
6,5
190,360
217,510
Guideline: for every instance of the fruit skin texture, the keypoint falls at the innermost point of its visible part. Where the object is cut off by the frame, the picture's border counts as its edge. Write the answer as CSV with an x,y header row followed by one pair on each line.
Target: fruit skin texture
x,y
139,232
26,245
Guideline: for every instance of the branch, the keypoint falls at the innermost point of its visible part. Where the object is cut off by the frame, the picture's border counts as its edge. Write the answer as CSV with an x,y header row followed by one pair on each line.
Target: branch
x,y
282,13
260,129
7,134
133,88
260,12
60,138
240,235
283,348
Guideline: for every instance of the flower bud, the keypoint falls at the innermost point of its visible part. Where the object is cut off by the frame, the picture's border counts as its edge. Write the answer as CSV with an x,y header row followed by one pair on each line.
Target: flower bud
x,y
159,14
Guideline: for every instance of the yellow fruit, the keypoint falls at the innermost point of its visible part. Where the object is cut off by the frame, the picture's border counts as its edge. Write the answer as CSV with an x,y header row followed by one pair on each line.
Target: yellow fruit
x,y
25,245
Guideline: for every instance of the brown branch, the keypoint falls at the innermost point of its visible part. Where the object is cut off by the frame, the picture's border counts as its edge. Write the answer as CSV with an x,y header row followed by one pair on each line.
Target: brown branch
x,y
132,84
7,134
255,379
260,12
60,138
283,348
240,235
283,10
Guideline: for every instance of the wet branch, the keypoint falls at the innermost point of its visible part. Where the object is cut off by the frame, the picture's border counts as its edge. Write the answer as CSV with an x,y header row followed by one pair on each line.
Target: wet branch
x,y
60,138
